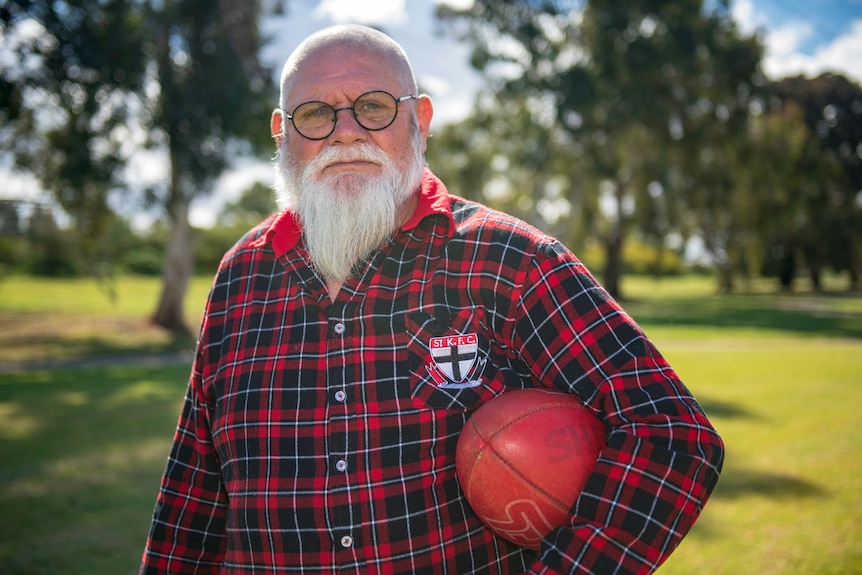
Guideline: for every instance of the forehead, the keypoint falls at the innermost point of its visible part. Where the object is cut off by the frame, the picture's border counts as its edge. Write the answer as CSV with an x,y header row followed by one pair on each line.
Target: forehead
x,y
343,73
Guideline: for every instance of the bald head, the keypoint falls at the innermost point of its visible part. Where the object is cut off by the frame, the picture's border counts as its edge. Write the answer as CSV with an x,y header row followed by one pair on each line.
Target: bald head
x,y
348,39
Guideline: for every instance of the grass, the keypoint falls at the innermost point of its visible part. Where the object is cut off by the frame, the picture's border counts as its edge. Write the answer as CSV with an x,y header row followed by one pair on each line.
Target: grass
x,y
83,450
779,376
43,320
790,497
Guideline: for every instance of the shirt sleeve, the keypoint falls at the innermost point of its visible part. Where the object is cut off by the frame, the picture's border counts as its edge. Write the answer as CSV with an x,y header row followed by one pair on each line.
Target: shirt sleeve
x,y
663,456
187,534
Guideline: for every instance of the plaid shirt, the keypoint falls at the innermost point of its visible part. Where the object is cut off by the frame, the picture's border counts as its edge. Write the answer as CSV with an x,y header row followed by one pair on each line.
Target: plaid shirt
x,y
314,439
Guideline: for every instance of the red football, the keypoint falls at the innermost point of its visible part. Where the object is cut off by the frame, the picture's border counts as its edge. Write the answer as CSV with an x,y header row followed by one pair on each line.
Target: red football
x,y
524,457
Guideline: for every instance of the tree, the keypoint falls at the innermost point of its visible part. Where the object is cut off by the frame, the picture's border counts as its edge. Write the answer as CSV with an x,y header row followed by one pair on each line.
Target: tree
x,y
234,220
831,107
254,204
510,155
65,108
98,78
12,242
628,82
211,90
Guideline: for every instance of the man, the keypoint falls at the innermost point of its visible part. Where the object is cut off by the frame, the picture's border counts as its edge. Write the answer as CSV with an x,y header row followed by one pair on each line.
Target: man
x,y
314,439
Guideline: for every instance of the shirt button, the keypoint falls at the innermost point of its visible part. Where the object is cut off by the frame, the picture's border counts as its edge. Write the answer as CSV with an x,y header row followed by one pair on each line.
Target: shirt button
x,y
340,396
346,541
339,328
341,465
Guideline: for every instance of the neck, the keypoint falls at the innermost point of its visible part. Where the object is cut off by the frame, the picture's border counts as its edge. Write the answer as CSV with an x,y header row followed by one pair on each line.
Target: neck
x,y
333,287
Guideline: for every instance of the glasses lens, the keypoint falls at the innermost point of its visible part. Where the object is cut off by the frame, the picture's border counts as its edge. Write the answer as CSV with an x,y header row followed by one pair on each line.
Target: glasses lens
x,y
375,110
314,119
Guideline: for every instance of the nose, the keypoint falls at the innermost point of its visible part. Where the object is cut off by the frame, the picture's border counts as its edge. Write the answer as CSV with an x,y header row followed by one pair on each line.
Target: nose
x,y
347,129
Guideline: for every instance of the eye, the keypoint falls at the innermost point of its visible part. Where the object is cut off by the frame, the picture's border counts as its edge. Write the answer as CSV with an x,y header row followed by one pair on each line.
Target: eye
x,y
313,112
370,106
375,106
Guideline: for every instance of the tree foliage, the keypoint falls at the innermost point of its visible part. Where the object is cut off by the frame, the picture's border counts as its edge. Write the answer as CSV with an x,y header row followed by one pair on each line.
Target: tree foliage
x,y
631,84
827,185
67,104
96,81
212,93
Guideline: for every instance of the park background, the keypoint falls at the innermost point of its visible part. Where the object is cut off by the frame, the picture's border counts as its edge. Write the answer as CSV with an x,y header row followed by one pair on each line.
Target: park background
x,y
702,158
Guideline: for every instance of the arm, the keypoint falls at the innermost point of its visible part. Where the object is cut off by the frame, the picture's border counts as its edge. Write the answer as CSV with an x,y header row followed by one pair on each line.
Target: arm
x,y
663,456
187,533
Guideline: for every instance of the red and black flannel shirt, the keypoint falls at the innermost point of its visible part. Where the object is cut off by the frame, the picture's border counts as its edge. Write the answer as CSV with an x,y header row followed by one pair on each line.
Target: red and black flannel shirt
x,y
316,437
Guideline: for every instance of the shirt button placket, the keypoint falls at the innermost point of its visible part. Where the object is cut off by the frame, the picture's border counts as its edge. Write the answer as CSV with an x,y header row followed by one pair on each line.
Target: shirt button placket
x,y
342,516
339,328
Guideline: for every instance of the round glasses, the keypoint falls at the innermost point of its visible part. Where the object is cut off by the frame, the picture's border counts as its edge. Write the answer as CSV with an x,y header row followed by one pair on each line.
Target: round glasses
x,y
373,111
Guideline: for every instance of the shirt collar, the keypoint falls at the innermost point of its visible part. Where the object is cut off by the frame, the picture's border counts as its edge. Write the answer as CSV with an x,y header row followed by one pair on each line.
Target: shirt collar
x,y
285,231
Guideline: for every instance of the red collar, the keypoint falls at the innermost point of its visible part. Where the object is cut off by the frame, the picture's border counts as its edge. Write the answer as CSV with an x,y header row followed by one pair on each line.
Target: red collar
x,y
285,231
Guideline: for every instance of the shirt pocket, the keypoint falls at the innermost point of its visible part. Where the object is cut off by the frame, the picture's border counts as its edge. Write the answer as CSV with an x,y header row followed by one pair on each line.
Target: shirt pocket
x,y
451,365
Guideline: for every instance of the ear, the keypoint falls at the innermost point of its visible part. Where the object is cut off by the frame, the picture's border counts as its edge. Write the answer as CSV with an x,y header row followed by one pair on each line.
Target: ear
x,y
276,126
424,113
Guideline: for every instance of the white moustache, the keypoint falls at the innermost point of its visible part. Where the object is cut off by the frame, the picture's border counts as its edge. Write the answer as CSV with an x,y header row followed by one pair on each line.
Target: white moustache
x,y
359,153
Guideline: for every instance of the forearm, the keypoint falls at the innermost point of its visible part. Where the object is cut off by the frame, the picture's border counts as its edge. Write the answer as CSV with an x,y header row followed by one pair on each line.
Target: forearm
x,y
663,456
649,486
187,532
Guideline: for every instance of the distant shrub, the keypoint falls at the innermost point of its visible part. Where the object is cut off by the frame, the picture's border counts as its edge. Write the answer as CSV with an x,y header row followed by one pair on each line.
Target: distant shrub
x,y
638,258
143,261
213,243
54,265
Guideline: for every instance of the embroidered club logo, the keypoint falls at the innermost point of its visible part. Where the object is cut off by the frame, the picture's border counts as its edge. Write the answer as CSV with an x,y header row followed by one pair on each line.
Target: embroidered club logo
x,y
455,361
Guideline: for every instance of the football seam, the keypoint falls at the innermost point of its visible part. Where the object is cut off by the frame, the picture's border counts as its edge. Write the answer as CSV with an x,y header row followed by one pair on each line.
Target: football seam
x,y
560,504
523,415
508,463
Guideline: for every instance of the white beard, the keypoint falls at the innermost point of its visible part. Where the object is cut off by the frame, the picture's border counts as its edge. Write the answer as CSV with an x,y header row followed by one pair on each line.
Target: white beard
x,y
346,217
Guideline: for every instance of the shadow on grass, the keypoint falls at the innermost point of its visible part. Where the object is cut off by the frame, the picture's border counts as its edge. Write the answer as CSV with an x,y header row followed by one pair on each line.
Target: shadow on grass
x,y
725,409
805,315
82,452
113,344
34,340
738,483
735,483
56,423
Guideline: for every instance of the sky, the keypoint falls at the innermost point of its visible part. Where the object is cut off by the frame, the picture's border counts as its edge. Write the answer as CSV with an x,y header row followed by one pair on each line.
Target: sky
x,y
801,37
806,36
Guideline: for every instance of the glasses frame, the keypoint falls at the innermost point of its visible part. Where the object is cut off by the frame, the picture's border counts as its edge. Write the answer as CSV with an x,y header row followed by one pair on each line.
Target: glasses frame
x,y
352,110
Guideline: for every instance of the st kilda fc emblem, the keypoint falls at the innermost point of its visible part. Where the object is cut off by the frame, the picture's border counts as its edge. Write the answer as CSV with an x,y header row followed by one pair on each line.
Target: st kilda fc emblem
x,y
455,361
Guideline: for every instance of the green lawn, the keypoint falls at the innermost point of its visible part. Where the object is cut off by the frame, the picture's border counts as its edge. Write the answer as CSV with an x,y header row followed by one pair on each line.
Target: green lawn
x,y
43,320
83,450
779,375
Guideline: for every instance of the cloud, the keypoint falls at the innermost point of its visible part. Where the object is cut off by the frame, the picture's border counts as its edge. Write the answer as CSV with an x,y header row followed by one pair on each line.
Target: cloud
x,y
785,40
362,11
20,186
843,55
783,44
456,4
748,20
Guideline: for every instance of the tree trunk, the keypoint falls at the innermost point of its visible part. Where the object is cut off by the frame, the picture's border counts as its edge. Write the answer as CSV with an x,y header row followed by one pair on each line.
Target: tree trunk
x,y
614,246
179,258
855,275
854,269
613,265
814,275
786,269
724,275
